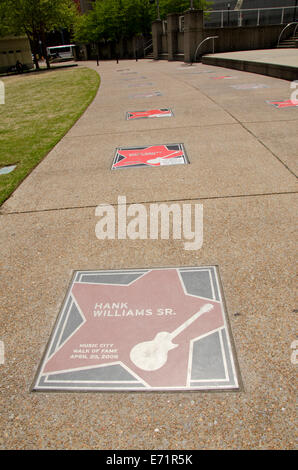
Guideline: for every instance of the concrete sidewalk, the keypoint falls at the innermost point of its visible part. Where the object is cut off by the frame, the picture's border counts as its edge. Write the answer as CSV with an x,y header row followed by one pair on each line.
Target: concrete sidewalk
x,y
243,158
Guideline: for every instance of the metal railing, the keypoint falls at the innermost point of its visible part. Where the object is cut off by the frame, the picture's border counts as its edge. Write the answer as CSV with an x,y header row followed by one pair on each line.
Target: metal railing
x,y
148,47
250,17
201,43
288,25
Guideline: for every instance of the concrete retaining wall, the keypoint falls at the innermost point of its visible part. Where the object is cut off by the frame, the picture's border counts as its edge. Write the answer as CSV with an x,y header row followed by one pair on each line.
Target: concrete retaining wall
x,y
124,49
229,39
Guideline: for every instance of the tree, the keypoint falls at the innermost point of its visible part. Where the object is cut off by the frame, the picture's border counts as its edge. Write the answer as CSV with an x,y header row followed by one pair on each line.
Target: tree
x,y
180,6
36,18
112,20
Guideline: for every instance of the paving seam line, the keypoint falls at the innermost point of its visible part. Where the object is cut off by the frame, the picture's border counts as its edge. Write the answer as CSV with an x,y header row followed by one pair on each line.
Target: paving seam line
x,y
92,206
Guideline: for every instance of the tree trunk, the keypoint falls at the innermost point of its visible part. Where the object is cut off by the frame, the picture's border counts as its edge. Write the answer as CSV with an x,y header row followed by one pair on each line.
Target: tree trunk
x,y
44,49
34,49
35,60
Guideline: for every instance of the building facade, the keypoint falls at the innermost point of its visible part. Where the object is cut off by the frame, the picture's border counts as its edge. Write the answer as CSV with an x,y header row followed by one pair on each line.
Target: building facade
x,y
13,49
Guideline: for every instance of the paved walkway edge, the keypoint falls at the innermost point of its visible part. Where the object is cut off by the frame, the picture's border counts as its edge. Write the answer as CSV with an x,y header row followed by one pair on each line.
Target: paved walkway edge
x,y
285,72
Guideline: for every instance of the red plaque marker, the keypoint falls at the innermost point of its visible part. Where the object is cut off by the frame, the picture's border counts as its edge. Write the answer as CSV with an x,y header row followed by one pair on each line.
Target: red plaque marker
x,y
154,155
223,77
145,329
284,104
151,113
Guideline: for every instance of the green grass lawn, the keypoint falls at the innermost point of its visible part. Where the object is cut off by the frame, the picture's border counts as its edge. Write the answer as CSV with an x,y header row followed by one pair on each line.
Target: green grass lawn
x,y
39,109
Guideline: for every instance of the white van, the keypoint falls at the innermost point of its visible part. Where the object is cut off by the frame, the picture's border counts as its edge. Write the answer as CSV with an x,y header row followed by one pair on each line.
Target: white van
x,y
60,53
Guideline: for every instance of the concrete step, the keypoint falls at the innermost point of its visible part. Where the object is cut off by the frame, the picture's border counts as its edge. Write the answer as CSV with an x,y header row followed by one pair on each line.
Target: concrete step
x,y
286,46
291,42
235,61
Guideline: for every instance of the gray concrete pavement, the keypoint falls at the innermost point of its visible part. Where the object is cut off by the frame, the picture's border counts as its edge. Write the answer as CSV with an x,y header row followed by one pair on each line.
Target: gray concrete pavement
x,y
279,63
287,57
243,154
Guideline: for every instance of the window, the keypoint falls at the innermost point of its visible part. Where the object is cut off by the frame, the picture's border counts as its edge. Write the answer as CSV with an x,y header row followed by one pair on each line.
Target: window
x,y
59,49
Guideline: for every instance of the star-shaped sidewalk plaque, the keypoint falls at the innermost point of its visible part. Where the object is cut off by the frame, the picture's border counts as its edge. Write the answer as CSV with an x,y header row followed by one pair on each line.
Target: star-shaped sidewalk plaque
x,y
148,329
150,113
284,104
153,155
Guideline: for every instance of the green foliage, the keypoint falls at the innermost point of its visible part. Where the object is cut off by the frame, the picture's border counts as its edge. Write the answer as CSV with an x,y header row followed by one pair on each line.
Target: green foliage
x,y
180,6
6,28
114,19
30,16
35,18
110,20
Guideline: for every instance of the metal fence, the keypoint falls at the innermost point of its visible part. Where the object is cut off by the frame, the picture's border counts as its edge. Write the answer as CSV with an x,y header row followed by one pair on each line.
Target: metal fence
x,y
251,17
